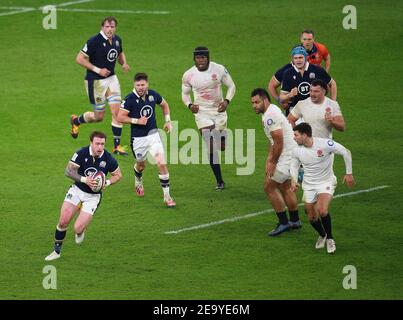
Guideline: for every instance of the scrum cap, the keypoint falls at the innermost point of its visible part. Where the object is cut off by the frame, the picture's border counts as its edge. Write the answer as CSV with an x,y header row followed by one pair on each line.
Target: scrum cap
x,y
299,50
201,51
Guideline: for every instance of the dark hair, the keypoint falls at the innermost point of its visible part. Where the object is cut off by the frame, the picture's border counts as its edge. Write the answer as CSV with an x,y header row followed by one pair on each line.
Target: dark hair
x,y
303,127
261,93
308,31
319,82
97,134
109,19
140,76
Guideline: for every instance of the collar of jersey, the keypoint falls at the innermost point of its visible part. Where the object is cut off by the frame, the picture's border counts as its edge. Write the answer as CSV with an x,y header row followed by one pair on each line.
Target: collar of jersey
x,y
90,150
104,35
135,92
296,69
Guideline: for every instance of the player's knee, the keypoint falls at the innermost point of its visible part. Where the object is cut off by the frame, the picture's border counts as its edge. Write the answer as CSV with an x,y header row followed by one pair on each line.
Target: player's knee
x,y
270,189
310,213
322,211
311,216
63,223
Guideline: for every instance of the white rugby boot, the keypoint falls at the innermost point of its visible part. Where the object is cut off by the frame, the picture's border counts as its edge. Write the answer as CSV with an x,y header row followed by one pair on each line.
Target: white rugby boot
x,y
52,256
320,243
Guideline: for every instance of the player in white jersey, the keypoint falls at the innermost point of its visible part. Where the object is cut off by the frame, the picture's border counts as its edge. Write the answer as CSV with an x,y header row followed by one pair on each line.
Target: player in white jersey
x,y
315,154
277,180
322,113
205,79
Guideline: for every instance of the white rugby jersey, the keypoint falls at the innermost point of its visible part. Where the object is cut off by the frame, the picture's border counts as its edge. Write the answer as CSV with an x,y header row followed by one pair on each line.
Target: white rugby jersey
x,y
206,86
314,114
318,161
273,119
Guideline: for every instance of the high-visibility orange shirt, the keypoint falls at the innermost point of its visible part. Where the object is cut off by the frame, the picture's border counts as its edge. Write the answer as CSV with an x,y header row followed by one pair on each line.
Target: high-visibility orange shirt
x,y
318,53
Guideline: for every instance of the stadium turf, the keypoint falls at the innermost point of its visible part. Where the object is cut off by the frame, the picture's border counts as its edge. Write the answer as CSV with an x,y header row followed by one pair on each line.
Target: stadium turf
x,y
127,253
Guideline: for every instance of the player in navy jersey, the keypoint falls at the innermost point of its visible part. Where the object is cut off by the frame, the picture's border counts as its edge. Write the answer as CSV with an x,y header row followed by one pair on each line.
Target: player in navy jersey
x,y
297,80
275,82
99,57
80,197
138,109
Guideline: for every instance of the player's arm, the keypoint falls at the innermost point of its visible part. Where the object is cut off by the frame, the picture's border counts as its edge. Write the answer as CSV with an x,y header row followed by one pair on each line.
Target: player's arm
x,y
327,63
275,151
293,116
272,88
286,96
165,110
186,98
332,86
115,177
339,149
294,167
123,117
123,62
71,171
82,60
231,88
336,122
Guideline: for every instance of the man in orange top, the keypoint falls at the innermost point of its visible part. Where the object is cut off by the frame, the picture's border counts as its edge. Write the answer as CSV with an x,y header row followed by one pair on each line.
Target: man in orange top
x,y
316,51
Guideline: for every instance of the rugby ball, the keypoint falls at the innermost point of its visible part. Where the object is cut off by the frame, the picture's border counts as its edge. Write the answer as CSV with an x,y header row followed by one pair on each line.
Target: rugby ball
x,y
100,178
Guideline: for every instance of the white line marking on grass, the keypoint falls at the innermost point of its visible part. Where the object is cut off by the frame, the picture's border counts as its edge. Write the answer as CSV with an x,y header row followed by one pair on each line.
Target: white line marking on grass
x,y
29,9
16,10
250,215
115,11
65,4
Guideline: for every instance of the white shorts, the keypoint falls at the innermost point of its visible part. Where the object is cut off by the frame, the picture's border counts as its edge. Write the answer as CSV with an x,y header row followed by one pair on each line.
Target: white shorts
x,y
151,143
207,119
311,191
282,173
97,90
89,202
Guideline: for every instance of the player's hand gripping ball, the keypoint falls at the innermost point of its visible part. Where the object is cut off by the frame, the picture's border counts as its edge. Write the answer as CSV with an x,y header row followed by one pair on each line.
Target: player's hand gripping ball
x,y
100,178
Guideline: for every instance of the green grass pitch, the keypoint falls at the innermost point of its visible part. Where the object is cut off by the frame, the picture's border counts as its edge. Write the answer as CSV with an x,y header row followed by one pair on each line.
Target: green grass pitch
x,y
126,253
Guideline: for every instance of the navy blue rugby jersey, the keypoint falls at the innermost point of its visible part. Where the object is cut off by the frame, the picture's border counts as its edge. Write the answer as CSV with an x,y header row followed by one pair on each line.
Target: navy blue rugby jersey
x,y
90,165
280,72
292,78
102,54
138,107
